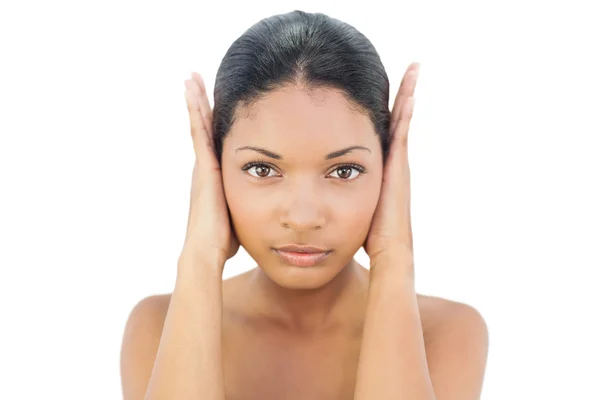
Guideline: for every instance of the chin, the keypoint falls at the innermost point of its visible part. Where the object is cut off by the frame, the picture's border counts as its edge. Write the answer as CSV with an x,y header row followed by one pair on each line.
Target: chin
x,y
291,277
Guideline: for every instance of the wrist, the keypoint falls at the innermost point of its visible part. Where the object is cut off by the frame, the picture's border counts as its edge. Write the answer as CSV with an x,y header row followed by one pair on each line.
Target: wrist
x,y
192,265
397,262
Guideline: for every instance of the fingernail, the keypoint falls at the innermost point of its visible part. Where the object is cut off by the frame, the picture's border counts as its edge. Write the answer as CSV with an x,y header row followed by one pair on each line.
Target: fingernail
x,y
196,77
418,69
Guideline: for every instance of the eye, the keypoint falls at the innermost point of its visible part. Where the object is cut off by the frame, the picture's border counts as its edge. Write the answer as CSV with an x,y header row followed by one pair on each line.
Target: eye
x,y
349,172
261,169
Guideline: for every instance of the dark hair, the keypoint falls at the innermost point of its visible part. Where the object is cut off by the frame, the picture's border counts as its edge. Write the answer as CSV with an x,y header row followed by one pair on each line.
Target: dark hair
x,y
311,50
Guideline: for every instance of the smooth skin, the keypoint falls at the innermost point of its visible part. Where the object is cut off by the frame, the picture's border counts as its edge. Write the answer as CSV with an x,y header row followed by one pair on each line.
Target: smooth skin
x,y
337,331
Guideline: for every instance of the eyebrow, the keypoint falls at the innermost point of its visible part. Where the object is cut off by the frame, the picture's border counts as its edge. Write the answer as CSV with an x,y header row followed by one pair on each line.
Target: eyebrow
x,y
329,156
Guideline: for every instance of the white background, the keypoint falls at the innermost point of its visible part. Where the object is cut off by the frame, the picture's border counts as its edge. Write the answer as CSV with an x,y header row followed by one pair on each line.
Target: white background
x,y
96,161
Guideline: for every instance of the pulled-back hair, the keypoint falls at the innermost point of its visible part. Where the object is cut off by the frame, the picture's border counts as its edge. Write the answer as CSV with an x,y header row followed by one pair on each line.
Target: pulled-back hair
x,y
309,50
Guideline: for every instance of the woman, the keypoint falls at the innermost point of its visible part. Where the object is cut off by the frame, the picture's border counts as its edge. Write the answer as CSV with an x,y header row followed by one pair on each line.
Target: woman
x,y
302,163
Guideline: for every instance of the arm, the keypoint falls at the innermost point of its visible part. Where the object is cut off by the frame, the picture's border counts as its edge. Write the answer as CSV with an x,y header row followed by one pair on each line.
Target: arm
x,y
173,350
189,362
392,363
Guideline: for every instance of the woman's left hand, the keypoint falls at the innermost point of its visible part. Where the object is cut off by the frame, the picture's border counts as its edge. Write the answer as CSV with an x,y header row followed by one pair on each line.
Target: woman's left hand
x,y
391,232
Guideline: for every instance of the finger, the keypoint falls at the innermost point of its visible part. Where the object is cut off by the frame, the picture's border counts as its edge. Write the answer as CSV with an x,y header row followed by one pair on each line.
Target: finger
x,y
193,191
398,147
205,108
399,169
403,129
400,135
202,146
407,88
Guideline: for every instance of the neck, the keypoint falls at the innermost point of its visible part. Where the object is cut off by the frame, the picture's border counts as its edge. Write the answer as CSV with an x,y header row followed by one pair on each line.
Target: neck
x,y
311,310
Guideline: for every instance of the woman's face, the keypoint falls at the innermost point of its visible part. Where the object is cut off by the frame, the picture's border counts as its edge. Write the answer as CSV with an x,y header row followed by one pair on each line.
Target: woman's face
x,y
301,192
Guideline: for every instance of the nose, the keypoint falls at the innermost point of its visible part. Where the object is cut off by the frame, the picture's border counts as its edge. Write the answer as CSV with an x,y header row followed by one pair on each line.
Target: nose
x,y
303,211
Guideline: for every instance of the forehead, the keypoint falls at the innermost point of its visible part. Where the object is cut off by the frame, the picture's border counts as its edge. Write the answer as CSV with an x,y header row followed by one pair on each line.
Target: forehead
x,y
297,116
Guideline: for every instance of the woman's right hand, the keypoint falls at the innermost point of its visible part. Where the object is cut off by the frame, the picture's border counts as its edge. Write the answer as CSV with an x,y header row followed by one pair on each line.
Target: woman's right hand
x,y
210,237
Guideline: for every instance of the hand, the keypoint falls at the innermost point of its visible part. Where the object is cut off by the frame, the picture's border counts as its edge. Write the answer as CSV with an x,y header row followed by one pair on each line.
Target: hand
x,y
391,230
209,236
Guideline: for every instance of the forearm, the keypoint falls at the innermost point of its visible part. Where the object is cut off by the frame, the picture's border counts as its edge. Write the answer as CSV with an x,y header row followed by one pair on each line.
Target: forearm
x,y
393,363
188,363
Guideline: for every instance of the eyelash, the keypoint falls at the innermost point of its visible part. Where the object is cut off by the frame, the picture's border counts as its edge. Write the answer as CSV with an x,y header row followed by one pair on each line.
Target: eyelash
x,y
262,163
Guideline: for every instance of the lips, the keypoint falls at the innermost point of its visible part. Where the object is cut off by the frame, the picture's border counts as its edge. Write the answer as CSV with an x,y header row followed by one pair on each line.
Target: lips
x,y
302,259
294,248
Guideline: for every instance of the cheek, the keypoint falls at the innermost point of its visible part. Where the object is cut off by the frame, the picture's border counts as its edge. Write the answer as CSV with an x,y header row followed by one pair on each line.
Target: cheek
x,y
354,214
248,208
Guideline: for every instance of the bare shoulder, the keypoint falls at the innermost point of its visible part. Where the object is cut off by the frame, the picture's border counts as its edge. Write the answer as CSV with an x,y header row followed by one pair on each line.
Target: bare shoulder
x,y
148,315
456,344
439,307
140,343
146,320
438,314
